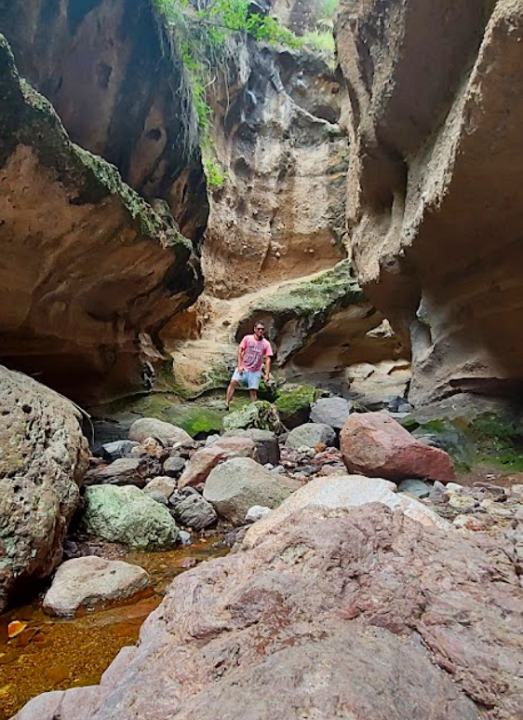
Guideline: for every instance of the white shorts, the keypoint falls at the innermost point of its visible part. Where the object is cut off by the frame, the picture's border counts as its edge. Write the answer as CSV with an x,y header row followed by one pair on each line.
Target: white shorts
x,y
249,378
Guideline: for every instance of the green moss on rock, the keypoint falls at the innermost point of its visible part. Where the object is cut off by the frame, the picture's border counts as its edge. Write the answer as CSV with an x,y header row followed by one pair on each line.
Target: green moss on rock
x,y
28,119
486,439
293,403
261,415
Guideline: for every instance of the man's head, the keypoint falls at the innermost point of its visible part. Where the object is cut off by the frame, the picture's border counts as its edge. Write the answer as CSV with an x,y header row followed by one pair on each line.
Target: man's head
x,y
259,330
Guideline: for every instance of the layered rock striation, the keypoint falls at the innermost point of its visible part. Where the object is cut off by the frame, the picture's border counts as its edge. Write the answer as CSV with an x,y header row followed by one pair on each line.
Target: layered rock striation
x,y
89,272
435,199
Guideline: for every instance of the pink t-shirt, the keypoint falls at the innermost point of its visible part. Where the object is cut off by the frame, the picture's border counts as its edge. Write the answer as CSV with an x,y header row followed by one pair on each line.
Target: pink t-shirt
x,y
254,352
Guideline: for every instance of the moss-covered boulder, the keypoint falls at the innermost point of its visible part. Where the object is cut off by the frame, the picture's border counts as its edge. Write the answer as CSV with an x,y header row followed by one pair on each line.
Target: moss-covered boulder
x,y
127,515
293,403
260,414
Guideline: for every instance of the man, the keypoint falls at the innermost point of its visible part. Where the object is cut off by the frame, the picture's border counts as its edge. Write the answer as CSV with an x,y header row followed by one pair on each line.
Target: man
x,y
254,353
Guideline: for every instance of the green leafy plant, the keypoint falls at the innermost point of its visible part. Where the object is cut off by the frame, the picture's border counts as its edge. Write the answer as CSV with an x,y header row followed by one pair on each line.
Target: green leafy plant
x,y
201,30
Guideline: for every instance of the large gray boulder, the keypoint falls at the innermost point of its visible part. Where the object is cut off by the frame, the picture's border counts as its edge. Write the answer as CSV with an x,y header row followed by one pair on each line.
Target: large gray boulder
x,y
165,432
310,435
332,411
43,457
87,581
238,484
127,515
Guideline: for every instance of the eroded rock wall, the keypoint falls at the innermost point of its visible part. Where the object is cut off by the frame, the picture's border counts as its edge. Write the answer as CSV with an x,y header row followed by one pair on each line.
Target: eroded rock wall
x,y
280,212
435,192
89,271
112,74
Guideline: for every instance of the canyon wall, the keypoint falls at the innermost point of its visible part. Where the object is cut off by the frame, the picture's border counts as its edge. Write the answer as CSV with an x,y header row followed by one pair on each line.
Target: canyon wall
x,y
434,196
276,228
91,271
111,72
280,212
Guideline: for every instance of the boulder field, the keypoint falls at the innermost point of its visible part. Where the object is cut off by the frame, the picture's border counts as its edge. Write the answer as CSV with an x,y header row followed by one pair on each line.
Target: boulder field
x,y
337,613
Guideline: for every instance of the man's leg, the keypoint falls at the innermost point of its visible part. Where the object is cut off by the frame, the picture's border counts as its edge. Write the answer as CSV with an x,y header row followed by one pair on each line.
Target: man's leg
x,y
230,392
253,384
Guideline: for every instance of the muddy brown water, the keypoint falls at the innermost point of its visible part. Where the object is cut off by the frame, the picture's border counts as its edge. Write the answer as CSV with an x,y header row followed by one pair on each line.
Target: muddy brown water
x,y
56,654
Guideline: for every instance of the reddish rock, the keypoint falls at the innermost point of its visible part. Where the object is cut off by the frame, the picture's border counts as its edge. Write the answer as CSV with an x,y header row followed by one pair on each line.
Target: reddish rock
x,y
204,460
361,614
200,465
374,444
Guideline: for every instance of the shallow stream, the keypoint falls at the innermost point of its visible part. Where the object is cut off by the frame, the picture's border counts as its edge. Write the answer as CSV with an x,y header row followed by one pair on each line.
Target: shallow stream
x,y
56,654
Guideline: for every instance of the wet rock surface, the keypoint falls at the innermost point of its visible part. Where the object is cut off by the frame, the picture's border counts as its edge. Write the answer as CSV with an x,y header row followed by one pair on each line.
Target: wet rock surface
x,y
321,613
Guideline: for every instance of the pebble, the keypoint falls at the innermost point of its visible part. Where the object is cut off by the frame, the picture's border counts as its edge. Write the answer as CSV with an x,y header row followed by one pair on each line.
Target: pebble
x,y
454,487
184,537
463,503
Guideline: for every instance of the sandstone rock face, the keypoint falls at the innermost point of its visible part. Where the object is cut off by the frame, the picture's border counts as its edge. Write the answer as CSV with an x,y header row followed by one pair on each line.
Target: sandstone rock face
x,y
277,132
42,461
89,269
375,444
112,74
340,613
87,581
238,484
127,515
436,106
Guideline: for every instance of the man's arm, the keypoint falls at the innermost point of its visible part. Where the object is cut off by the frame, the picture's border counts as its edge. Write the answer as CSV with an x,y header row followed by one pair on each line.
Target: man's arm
x,y
241,353
267,371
